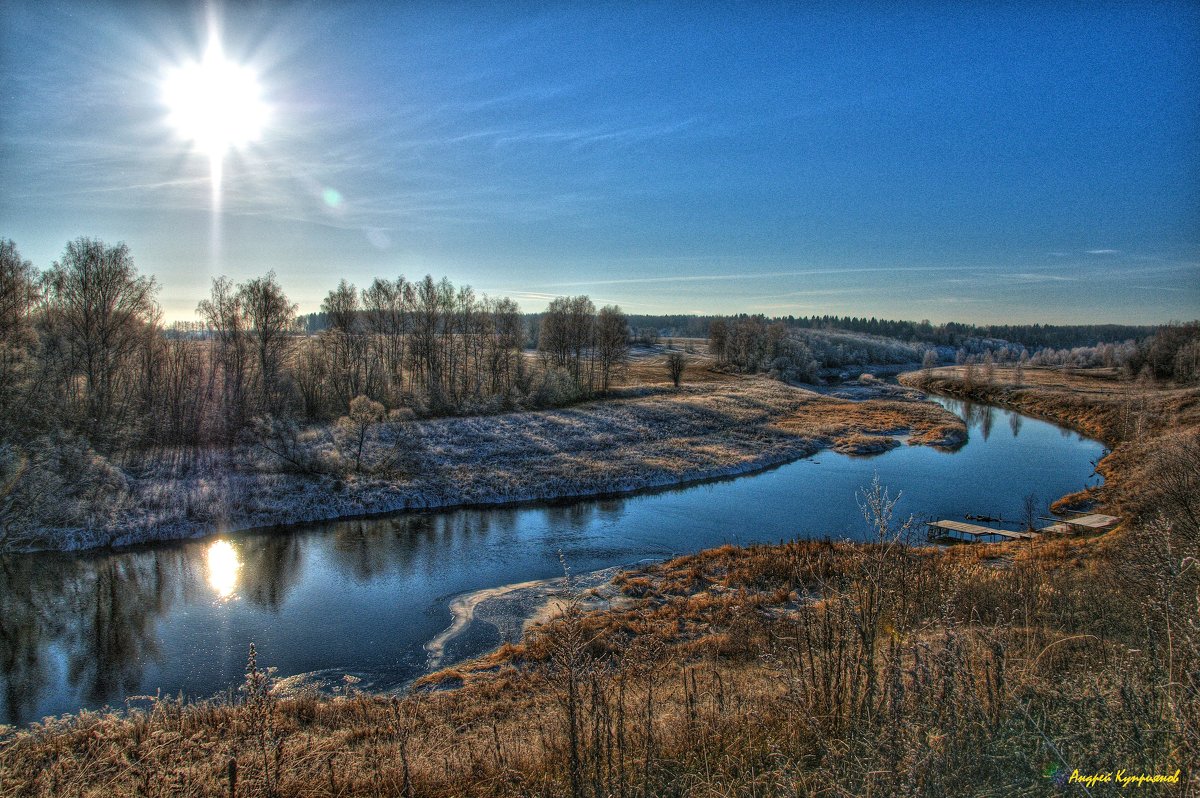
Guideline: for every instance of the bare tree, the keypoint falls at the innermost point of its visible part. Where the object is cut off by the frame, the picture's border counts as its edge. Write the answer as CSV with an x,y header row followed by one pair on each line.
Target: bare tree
x,y
718,334
269,319
387,305
676,363
222,313
930,361
989,367
1029,511
19,293
345,343
102,309
612,343
566,337
507,331
970,374
356,427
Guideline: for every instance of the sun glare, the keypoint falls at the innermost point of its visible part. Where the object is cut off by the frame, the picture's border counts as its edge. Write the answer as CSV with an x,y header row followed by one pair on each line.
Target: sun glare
x,y
215,104
223,567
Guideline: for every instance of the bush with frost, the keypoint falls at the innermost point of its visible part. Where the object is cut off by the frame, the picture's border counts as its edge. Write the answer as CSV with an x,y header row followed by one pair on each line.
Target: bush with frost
x,y
556,388
372,440
356,428
285,445
57,480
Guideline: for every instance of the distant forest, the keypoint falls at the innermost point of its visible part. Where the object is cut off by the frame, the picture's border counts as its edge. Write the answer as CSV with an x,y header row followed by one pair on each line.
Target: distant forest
x,y
953,334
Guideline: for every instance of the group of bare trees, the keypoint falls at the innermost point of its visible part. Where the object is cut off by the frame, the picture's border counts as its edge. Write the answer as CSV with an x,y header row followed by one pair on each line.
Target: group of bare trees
x,y
751,344
423,344
73,340
591,347
82,349
426,346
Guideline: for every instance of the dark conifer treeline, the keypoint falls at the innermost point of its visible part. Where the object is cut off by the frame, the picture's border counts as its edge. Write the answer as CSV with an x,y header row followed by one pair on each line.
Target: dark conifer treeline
x,y
953,334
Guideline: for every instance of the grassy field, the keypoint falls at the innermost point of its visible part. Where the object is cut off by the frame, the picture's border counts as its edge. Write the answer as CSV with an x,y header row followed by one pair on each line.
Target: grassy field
x,y
804,668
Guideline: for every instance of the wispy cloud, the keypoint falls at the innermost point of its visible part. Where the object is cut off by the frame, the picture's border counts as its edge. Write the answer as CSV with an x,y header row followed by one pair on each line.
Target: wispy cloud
x,y
952,300
1042,277
690,278
1104,252
595,134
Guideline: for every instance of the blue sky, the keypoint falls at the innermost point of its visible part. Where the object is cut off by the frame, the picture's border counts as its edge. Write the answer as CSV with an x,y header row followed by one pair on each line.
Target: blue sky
x,y
1020,162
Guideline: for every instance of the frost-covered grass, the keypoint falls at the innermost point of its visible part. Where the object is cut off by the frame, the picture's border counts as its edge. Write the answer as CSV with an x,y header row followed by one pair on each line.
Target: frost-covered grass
x,y
659,438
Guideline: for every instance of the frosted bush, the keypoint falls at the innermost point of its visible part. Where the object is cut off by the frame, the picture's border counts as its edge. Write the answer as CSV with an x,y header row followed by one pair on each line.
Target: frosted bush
x,y
557,387
57,480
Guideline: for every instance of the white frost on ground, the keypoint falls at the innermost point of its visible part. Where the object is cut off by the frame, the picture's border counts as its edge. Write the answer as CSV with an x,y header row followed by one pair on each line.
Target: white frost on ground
x,y
606,447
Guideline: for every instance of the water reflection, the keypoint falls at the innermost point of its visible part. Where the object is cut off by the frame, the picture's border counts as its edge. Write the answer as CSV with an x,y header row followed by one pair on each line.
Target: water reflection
x,y
223,566
88,622
116,638
270,568
979,418
1014,422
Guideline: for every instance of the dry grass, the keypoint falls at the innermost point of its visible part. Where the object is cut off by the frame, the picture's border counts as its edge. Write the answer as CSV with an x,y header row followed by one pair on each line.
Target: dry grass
x,y
852,424
647,366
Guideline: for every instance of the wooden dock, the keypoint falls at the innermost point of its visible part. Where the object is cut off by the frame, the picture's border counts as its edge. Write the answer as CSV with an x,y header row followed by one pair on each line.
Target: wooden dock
x,y
976,531
1091,522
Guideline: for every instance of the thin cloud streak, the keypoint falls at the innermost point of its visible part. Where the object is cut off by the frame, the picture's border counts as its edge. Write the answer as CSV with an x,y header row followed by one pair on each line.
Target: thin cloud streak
x,y
766,275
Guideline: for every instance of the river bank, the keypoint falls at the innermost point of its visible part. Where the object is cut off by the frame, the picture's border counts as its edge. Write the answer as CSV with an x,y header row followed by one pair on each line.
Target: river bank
x,y
648,438
1134,419
767,669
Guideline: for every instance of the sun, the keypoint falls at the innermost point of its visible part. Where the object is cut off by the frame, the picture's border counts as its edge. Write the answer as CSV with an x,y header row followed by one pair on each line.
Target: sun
x,y
215,104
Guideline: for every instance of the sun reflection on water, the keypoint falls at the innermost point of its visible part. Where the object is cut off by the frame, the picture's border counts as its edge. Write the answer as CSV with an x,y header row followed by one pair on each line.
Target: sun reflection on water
x,y
223,566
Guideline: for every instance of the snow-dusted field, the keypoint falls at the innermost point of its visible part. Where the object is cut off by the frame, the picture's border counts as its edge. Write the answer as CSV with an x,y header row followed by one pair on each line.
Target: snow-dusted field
x,y
602,447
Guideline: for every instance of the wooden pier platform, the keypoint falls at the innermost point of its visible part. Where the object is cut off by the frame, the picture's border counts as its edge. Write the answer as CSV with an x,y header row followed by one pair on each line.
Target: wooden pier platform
x,y
1092,522
976,531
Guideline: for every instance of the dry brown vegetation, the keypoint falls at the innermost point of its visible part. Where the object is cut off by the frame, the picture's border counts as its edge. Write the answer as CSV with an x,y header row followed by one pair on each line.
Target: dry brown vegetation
x,y
804,668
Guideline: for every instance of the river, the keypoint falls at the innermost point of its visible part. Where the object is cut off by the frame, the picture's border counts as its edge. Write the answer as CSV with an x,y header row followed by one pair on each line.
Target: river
x,y
363,598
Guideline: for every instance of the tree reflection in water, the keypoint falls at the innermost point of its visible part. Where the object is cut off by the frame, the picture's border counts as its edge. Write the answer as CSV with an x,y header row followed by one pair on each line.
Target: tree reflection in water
x,y
271,567
94,614
98,615
1014,422
24,625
